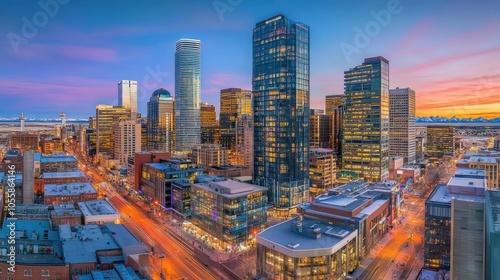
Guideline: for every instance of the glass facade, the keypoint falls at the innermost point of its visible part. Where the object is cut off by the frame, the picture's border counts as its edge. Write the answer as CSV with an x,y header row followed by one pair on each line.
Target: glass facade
x,y
161,124
207,115
275,265
127,95
440,141
231,218
365,143
106,116
234,103
437,236
187,94
280,87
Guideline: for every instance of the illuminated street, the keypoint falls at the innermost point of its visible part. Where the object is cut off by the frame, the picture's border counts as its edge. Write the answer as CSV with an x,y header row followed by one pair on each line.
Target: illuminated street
x,y
178,263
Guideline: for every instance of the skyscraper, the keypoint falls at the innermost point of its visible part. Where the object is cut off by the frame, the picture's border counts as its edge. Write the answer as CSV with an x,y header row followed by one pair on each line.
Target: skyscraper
x,y
106,116
127,96
333,102
402,131
187,94
440,141
334,107
319,129
280,86
207,115
365,145
127,136
234,102
160,125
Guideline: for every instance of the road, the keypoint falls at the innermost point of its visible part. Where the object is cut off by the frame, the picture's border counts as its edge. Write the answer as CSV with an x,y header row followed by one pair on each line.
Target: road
x,y
179,262
397,257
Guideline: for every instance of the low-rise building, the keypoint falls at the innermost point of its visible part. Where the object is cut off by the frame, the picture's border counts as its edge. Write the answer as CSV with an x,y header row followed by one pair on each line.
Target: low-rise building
x,y
229,171
181,198
230,211
62,177
322,168
210,155
98,212
58,162
69,193
65,214
303,248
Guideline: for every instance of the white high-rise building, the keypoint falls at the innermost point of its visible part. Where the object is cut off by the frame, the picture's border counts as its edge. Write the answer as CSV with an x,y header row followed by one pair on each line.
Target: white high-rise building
x,y
402,130
187,94
127,140
127,96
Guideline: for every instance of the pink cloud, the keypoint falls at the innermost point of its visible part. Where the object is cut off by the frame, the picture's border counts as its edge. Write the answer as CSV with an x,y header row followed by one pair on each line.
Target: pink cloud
x,y
48,51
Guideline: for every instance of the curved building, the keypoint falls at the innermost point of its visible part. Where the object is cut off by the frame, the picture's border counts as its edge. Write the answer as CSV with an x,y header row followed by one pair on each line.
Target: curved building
x,y
161,128
187,94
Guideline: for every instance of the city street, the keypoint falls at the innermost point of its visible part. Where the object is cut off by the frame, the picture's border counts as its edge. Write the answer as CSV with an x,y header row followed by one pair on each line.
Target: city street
x,y
178,262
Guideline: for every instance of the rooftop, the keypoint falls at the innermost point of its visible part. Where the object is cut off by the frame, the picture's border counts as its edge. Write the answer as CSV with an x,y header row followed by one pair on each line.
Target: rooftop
x,y
482,159
70,174
230,188
97,207
57,158
439,195
80,245
467,182
314,236
470,173
69,189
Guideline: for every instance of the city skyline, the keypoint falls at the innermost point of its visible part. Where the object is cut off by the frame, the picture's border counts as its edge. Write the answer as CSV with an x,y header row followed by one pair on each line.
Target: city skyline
x,y
86,48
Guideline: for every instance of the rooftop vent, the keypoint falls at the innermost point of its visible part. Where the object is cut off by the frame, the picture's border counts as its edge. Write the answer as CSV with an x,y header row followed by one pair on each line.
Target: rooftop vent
x,y
292,245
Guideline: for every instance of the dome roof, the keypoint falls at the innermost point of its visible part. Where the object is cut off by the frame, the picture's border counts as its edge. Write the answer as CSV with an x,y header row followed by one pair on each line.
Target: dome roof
x,y
161,92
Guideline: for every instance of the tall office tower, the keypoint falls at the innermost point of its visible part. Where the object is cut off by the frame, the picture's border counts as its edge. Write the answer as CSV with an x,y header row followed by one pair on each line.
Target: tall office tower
x,y
440,141
402,130
336,133
319,129
127,96
28,177
127,140
234,102
244,141
333,102
161,121
63,119
365,145
207,115
92,122
187,94
280,87
106,116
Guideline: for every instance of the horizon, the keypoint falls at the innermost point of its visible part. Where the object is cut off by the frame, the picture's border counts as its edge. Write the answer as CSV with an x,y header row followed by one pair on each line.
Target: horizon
x,y
74,59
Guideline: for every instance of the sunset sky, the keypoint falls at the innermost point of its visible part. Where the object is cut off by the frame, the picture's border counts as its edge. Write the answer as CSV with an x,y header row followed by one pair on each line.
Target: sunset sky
x,y
69,56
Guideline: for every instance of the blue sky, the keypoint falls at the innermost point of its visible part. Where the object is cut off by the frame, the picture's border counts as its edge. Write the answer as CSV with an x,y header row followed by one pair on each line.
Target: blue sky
x,y
78,50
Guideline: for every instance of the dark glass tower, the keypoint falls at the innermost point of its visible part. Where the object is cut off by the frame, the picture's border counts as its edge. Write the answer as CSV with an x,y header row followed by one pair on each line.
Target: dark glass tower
x,y
280,87
365,146
160,126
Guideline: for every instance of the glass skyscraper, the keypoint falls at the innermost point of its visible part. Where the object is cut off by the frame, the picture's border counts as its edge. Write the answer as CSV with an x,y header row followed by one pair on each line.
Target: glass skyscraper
x,y
365,145
160,126
127,96
280,87
187,94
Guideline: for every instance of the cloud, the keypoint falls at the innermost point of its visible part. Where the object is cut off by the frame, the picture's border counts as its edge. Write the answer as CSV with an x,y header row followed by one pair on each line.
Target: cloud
x,y
58,51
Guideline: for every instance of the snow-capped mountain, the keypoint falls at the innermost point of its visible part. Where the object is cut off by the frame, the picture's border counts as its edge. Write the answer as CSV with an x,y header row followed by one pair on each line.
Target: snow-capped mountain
x,y
438,119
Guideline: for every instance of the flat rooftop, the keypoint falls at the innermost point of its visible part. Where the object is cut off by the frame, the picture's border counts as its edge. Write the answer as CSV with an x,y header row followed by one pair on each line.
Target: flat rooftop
x,y
230,188
57,158
70,174
482,159
467,182
168,168
97,207
282,236
470,172
439,195
80,246
69,189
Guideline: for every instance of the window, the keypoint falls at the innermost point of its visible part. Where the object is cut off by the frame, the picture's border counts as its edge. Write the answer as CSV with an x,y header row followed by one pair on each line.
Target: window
x,y
28,272
45,272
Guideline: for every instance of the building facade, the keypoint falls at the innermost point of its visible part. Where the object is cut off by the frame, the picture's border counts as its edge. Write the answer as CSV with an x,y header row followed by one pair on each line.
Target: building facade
x,y
187,94
365,145
127,96
161,122
234,103
230,211
210,155
127,140
280,87
208,116
440,141
244,141
402,131
321,170
106,117
319,129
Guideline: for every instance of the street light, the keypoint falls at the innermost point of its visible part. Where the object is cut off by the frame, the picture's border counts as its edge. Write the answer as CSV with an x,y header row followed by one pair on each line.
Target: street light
x,y
161,257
